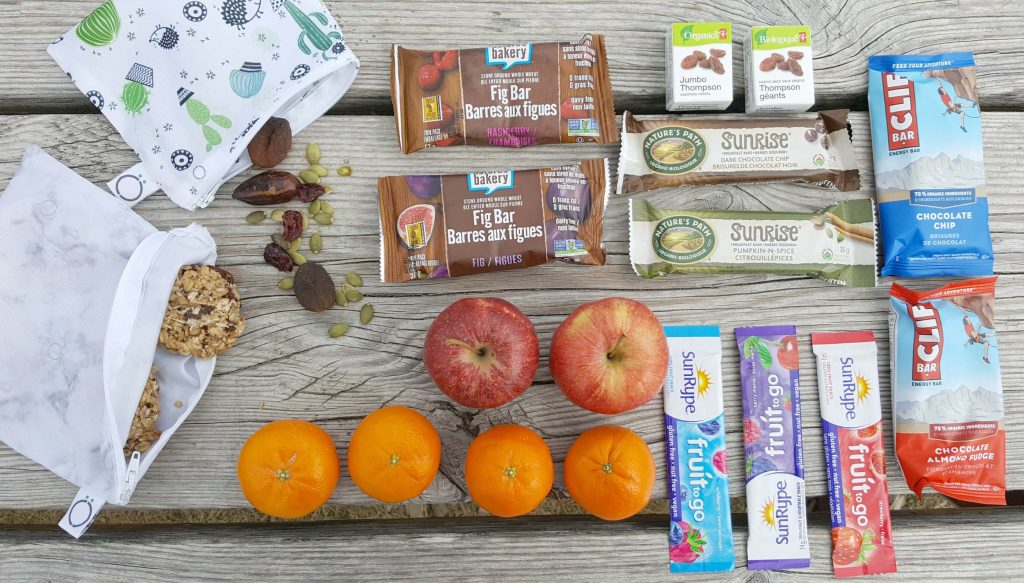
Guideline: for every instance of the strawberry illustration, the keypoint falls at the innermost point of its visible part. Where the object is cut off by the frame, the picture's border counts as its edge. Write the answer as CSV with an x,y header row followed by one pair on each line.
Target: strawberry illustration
x,y
447,117
751,431
690,548
878,463
787,402
849,546
870,432
446,60
720,462
428,77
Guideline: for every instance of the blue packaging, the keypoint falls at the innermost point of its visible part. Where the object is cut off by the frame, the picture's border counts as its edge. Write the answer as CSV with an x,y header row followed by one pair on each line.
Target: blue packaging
x,y
700,531
929,165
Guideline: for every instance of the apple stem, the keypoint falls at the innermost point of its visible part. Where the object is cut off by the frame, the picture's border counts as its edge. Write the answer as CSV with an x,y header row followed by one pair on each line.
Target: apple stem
x,y
613,354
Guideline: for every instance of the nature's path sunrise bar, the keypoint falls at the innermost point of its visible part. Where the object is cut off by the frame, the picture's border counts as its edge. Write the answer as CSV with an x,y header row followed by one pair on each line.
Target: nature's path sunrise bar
x,y
836,243
508,96
448,226
811,148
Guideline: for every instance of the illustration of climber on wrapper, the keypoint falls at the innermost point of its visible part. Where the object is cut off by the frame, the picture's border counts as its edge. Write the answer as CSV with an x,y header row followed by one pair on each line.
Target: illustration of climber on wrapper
x,y
964,95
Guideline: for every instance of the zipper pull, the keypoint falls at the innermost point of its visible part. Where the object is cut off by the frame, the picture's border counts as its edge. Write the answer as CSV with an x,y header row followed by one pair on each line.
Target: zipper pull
x,y
131,478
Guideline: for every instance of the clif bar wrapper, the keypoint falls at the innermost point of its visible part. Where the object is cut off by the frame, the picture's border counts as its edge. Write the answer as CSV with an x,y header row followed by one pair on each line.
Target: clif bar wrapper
x,y
773,448
851,420
836,243
947,393
449,226
509,96
700,530
811,148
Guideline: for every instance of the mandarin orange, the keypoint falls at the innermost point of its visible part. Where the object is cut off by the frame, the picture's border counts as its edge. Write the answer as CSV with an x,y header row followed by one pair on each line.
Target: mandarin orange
x,y
609,471
394,454
509,470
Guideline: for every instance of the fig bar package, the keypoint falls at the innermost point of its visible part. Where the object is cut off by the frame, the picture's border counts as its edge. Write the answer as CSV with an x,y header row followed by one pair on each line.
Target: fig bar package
x,y
946,391
773,448
448,226
780,70
851,419
700,530
812,148
698,66
511,96
929,168
836,243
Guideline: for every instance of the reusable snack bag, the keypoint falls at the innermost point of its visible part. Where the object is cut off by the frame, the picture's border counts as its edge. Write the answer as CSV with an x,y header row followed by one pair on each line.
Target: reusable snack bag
x,y
929,165
86,282
188,84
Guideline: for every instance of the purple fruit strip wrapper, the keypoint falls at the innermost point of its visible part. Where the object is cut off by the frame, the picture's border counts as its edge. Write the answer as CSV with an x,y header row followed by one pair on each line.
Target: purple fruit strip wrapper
x,y
773,448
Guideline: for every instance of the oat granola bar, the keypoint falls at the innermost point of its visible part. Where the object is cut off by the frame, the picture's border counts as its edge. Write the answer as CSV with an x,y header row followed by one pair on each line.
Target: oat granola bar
x,y
143,433
203,317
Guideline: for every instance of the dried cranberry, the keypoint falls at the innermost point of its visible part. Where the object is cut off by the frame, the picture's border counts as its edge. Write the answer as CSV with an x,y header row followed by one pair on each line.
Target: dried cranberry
x,y
292,225
310,192
278,257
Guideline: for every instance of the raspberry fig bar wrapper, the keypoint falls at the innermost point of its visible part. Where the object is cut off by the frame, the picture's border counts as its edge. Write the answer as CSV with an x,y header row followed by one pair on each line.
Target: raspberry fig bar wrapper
x,y
86,284
836,243
813,148
448,226
188,84
510,96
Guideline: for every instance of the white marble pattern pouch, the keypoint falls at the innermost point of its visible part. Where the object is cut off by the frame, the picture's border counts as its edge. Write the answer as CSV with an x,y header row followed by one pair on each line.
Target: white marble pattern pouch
x,y
84,281
188,83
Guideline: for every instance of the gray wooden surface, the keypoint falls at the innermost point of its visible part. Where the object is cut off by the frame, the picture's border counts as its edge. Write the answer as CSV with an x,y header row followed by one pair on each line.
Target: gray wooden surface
x,y
960,546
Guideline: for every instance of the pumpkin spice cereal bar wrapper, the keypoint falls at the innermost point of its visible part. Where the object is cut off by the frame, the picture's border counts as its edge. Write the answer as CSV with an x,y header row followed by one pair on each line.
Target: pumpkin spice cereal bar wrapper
x,y
836,243
851,419
813,148
509,96
700,530
947,394
449,226
773,448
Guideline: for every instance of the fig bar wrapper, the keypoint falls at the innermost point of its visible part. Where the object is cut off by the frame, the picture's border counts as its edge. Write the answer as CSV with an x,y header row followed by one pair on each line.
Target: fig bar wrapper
x,y
812,148
836,243
929,165
449,226
700,529
773,448
851,419
947,394
508,96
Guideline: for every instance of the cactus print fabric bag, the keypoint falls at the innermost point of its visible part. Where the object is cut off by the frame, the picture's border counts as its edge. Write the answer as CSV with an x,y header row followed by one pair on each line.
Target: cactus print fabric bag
x,y
188,83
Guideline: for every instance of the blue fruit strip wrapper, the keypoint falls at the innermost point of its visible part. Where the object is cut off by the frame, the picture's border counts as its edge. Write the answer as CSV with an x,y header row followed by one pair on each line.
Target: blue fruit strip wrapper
x,y
773,448
700,531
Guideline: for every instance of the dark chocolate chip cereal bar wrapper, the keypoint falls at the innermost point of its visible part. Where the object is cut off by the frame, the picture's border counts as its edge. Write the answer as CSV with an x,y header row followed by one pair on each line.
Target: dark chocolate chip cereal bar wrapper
x,y
448,226
812,148
510,96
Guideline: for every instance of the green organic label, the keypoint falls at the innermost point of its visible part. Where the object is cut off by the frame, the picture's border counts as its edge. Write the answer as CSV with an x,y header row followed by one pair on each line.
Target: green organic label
x,y
766,38
683,239
688,34
674,150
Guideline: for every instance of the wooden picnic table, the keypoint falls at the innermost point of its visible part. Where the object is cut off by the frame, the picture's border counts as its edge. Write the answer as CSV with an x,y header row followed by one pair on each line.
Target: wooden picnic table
x,y
285,366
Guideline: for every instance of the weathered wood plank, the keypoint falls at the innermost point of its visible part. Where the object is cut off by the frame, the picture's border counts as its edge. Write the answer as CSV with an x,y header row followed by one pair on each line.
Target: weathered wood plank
x,y
966,545
286,366
845,33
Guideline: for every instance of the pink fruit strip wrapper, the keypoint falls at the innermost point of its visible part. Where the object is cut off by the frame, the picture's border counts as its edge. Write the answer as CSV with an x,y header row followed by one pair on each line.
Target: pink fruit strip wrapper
x,y
700,530
773,448
851,418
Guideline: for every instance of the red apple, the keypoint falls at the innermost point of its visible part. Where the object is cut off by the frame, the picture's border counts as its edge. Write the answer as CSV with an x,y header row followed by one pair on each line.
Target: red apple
x,y
788,353
481,352
610,356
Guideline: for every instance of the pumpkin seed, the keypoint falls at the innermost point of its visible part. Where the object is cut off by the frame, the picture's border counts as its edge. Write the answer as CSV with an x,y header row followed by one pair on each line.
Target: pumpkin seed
x,y
323,219
297,258
286,283
338,330
309,177
840,237
326,208
316,243
320,170
305,220
313,153
314,208
295,245
345,171
340,299
280,241
348,287
277,215
354,296
256,217
353,279
327,188
366,314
